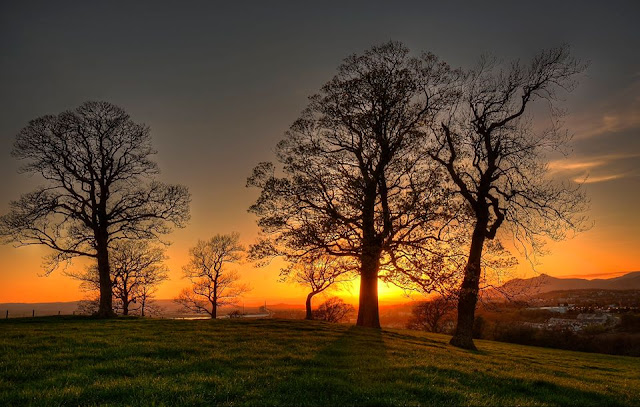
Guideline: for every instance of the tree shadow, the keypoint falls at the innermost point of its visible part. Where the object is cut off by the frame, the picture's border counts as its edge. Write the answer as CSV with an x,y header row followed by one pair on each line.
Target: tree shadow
x,y
359,369
349,370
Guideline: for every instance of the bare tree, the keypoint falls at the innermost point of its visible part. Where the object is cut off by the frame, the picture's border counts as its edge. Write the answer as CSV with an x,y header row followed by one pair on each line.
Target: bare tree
x,y
333,310
432,315
99,189
496,161
136,270
214,285
318,274
146,301
354,183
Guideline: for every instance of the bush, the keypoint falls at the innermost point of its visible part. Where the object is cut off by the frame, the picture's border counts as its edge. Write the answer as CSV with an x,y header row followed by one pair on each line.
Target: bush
x,y
611,343
629,323
333,310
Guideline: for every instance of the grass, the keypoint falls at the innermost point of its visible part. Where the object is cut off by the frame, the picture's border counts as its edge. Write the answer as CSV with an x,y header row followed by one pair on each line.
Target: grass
x,y
128,361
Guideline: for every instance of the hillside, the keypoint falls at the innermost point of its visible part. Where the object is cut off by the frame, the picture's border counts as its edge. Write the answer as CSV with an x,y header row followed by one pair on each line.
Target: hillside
x,y
545,283
128,361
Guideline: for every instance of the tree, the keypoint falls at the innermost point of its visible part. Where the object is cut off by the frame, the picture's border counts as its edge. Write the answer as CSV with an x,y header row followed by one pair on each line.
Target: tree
x,y
213,284
496,161
354,183
319,275
136,270
432,315
99,189
333,310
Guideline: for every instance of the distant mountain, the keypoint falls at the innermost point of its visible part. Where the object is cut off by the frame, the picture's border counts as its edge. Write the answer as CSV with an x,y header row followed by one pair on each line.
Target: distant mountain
x,y
545,283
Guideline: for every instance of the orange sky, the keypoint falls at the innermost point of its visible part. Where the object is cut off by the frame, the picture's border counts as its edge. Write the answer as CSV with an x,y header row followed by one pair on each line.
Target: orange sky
x,y
610,247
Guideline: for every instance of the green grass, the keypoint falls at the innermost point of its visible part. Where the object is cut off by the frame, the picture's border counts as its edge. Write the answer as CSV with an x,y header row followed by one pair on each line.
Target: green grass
x,y
76,361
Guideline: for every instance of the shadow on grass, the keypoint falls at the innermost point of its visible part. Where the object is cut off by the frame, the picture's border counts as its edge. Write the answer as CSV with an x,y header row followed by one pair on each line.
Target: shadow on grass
x,y
266,363
357,369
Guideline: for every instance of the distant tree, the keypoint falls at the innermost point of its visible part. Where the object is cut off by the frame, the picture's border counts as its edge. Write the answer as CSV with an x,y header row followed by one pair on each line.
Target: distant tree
x,y
147,303
432,315
99,189
88,306
136,270
214,285
319,275
496,161
354,183
333,310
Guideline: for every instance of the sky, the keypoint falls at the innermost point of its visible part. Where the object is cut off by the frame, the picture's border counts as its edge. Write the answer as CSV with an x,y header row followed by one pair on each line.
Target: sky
x,y
220,82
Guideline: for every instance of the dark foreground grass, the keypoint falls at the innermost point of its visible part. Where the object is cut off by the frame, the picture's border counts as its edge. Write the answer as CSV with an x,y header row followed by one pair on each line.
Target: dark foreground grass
x,y
76,361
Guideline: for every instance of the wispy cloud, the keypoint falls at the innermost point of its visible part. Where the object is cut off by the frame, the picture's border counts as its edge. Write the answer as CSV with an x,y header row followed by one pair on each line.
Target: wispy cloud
x,y
602,178
609,123
571,165
580,169
619,113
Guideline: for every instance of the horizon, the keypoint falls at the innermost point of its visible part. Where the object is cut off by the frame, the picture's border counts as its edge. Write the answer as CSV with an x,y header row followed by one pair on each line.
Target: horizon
x,y
350,298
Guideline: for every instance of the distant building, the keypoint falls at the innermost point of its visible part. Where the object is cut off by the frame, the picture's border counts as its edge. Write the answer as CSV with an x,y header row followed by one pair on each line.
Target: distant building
x,y
559,310
596,319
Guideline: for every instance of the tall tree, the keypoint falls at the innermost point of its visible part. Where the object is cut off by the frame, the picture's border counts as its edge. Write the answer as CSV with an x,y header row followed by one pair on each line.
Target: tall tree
x,y
136,270
213,284
496,160
99,188
353,182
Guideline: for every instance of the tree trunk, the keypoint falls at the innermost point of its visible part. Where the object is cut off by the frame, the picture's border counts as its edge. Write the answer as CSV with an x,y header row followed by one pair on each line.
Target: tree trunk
x,y
468,297
214,303
105,309
368,314
309,315
125,307
143,305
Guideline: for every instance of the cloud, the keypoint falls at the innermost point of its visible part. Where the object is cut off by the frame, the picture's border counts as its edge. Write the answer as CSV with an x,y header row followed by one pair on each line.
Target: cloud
x,y
609,123
602,178
619,113
590,170
570,165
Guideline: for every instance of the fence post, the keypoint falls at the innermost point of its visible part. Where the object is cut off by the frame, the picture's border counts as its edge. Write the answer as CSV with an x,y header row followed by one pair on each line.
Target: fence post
x,y
33,313
58,313
7,317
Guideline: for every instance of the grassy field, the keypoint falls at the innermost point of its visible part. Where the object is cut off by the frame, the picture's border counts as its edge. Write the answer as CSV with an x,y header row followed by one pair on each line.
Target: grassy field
x,y
76,361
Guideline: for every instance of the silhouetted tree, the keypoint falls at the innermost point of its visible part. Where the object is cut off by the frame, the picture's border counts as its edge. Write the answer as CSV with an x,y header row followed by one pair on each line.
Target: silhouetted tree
x,y
354,182
496,160
88,306
136,270
99,188
333,310
213,284
432,315
318,274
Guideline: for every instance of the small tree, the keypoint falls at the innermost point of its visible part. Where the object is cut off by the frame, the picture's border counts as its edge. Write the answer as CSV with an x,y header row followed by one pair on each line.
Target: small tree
x,y
333,310
319,275
99,188
432,315
213,285
496,161
136,270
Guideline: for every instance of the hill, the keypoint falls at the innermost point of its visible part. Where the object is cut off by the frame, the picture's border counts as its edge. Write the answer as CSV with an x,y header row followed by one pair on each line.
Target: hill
x,y
545,283
129,361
